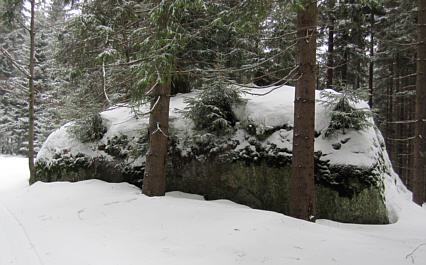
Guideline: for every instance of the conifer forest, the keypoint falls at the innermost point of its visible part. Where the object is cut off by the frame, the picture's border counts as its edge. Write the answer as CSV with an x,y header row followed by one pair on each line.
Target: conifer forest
x,y
66,61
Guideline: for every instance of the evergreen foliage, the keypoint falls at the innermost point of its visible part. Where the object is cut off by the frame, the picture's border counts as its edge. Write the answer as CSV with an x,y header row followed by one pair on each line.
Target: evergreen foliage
x,y
212,109
347,56
276,39
13,122
13,86
88,129
396,82
343,114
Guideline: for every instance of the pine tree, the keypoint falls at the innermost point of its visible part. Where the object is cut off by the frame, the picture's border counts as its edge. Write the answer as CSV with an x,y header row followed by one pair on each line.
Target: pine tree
x,y
173,46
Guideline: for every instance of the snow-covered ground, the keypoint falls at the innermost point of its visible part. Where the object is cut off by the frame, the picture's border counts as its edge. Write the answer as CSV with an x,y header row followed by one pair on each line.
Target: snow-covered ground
x,y
98,223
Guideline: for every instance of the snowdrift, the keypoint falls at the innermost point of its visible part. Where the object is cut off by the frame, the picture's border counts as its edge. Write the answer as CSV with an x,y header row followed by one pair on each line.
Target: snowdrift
x,y
94,222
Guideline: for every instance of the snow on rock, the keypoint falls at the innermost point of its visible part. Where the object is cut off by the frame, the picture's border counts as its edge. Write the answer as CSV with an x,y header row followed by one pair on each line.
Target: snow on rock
x,y
122,120
276,108
265,112
271,110
61,140
360,148
119,120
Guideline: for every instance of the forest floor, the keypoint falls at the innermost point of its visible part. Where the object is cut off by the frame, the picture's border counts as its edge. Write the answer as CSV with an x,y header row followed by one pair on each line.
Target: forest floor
x,y
98,223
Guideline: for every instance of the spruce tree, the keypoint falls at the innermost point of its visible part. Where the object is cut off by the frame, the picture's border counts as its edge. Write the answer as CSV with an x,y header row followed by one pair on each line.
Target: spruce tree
x,y
13,102
14,15
172,46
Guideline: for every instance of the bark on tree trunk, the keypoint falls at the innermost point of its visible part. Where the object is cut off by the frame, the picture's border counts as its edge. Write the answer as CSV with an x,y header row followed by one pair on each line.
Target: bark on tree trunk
x,y
345,79
389,117
410,132
420,143
302,188
31,98
330,59
154,181
397,117
371,66
330,44
403,133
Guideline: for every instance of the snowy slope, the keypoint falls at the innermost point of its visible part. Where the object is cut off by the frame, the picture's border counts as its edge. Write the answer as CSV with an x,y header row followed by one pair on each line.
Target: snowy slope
x,y
94,222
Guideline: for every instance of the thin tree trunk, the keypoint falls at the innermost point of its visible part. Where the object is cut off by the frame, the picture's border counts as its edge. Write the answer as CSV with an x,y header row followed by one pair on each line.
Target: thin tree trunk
x,y
330,43
397,117
389,117
420,142
330,59
404,131
345,65
371,66
154,181
302,188
31,98
400,131
410,143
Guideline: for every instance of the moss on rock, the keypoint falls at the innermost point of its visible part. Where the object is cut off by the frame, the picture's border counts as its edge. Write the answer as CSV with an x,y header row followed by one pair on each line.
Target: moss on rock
x,y
256,185
366,207
261,186
344,193
72,168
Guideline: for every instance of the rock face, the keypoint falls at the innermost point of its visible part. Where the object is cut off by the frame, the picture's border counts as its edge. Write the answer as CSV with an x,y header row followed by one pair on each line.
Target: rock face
x,y
260,184
263,184
251,166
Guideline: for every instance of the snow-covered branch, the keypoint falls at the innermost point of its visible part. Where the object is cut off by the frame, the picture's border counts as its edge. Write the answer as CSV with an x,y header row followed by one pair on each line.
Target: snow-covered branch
x,y
18,65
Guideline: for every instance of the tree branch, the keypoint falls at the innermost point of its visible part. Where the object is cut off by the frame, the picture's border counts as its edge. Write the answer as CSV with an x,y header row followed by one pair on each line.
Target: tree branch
x,y
18,65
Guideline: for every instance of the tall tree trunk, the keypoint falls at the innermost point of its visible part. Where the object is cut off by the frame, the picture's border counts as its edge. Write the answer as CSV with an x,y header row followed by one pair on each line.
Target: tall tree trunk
x,y
409,142
389,116
420,141
154,181
302,188
345,79
397,117
371,66
400,126
31,98
403,131
330,43
330,53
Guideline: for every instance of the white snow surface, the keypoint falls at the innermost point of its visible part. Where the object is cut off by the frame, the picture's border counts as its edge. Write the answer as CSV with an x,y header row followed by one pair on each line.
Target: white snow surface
x,y
94,222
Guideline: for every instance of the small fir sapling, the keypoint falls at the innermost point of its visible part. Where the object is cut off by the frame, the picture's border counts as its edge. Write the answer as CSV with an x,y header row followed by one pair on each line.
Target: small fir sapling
x,y
343,114
212,109
88,129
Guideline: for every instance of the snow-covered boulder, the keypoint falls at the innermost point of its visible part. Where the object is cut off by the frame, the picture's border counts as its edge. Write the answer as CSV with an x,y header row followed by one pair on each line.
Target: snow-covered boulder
x,y
250,166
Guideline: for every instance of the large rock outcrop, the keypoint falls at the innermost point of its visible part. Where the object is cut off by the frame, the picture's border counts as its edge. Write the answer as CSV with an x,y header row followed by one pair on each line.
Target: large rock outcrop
x,y
251,165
